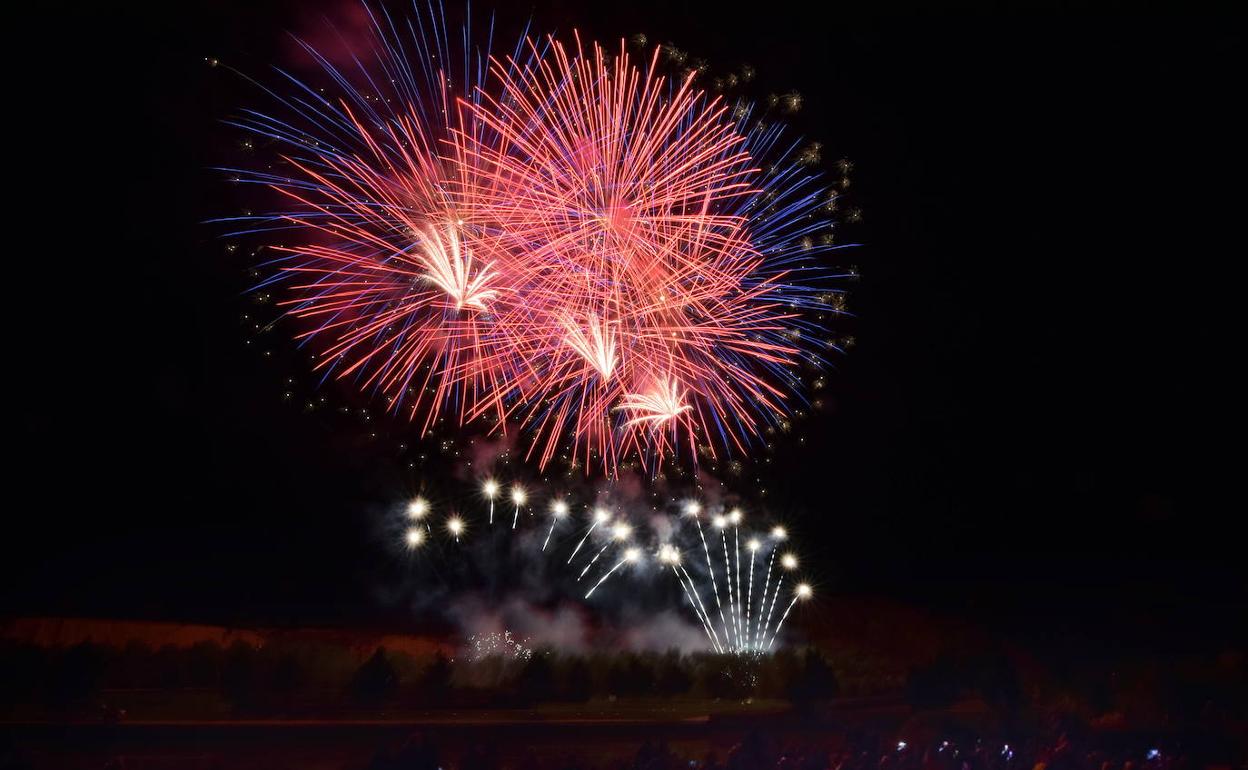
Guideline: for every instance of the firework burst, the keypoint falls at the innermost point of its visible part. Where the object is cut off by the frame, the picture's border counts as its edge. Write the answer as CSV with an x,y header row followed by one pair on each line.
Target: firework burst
x,y
561,239
728,589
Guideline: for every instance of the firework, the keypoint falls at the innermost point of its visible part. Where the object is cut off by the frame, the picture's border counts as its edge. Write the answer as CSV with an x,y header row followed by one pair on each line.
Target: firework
x,y
630,555
803,592
518,497
620,533
417,509
600,517
490,490
739,620
455,526
557,511
559,238
481,646
655,320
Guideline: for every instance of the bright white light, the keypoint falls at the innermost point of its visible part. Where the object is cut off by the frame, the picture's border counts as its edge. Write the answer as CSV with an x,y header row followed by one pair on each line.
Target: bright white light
x,y
669,555
448,265
735,516
417,508
560,509
601,515
622,532
754,545
455,525
720,522
692,508
779,533
414,537
804,591
788,561
518,496
632,554
595,342
490,488
663,403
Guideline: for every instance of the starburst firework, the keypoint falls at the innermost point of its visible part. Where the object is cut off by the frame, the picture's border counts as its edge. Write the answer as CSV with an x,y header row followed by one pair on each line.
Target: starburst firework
x,y
562,239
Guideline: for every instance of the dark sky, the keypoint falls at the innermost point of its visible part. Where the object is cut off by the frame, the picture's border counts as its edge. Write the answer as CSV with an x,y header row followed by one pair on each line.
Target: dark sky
x,y
1018,435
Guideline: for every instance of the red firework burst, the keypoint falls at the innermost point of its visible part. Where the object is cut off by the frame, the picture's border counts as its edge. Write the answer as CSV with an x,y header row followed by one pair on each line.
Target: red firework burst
x,y
570,248
614,187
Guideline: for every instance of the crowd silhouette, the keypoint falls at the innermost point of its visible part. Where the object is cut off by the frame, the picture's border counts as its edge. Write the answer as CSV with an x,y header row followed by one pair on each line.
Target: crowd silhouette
x,y
759,750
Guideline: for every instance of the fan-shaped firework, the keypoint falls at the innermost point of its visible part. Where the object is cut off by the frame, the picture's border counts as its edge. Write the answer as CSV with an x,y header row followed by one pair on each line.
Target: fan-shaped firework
x,y
574,243
729,578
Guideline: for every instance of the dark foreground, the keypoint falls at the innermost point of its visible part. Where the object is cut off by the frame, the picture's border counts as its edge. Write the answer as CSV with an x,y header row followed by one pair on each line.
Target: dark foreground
x,y
756,742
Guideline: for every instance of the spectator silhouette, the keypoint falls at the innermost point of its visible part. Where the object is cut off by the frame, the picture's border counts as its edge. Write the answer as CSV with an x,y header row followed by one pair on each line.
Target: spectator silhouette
x,y
418,753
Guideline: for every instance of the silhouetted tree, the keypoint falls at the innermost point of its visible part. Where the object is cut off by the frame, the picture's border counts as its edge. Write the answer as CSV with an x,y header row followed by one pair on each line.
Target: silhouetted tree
x,y
376,680
239,674
435,681
286,675
23,671
77,674
576,681
629,675
204,663
815,680
730,676
672,677
536,681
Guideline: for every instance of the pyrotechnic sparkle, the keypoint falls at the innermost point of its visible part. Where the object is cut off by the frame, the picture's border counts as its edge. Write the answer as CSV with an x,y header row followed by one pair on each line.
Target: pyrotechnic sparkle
x,y
449,267
518,497
417,509
803,592
601,516
558,510
455,526
661,404
737,571
561,238
490,489
630,555
483,646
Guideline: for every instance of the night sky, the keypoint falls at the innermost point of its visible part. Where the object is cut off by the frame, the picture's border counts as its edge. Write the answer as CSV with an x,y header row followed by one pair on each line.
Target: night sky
x,y
1018,436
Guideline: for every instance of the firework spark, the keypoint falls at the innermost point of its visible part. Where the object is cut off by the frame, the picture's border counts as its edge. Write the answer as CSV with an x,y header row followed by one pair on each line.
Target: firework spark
x,y
560,238
490,490
449,267
600,517
745,602
630,555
